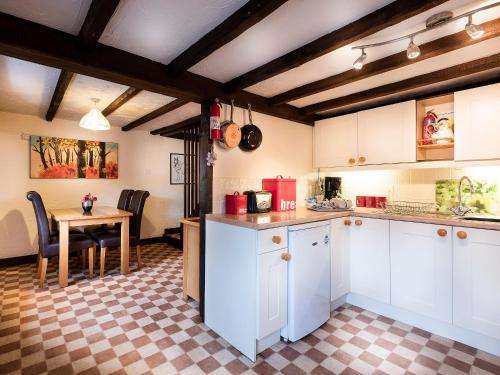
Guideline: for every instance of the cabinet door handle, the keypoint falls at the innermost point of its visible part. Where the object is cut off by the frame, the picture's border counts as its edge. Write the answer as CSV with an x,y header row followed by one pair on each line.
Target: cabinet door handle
x,y
442,232
358,222
352,161
462,235
276,240
285,257
362,159
347,222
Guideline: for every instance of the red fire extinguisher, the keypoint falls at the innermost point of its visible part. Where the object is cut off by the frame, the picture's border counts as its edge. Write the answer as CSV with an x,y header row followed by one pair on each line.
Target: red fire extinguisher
x,y
428,126
215,120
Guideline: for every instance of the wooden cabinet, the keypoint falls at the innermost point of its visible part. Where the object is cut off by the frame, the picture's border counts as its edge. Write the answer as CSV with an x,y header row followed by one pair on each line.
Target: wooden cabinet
x,y
476,280
340,235
271,292
191,258
477,123
421,268
387,134
336,142
369,258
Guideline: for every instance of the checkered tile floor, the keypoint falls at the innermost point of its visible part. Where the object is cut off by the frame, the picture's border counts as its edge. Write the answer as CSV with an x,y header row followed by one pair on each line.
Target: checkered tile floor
x,y
139,324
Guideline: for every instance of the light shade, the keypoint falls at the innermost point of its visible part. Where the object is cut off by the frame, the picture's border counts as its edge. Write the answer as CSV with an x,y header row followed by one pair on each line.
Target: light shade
x,y
94,120
413,51
474,31
360,61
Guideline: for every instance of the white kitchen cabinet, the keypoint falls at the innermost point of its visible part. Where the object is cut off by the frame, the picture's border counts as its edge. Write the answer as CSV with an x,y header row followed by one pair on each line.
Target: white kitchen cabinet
x,y
271,292
477,123
387,134
335,141
339,258
421,268
476,280
369,258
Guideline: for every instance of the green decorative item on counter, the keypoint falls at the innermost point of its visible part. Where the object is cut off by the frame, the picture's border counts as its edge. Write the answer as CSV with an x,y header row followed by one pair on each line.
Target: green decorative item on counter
x,y
484,200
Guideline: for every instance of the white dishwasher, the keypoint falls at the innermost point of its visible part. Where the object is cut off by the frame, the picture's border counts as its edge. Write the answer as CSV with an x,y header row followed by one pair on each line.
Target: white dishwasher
x,y
308,279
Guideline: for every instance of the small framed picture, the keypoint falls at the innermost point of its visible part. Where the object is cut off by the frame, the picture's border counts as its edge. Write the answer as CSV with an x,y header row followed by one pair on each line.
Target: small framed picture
x,y
176,169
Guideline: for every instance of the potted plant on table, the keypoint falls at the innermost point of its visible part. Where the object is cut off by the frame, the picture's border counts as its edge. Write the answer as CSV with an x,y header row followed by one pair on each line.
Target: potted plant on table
x,y
88,202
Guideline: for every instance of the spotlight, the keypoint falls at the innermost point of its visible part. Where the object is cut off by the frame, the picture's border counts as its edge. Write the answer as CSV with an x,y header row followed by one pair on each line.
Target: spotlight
x,y
474,31
412,51
360,61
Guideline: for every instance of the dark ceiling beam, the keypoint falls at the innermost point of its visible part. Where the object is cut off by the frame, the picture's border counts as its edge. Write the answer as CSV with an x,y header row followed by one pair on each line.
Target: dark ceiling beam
x,y
98,15
380,19
40,44
398,60
154,114
236,24
457,71
121,100
174,128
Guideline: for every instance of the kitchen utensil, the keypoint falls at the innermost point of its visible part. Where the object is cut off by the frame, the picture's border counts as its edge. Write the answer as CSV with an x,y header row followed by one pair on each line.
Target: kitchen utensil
x,y
251,136
360,201
231,132
258,201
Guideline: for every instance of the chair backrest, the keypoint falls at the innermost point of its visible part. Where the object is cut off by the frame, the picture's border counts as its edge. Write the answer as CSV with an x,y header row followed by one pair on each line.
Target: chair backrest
x,y
136,208
41,220
124,200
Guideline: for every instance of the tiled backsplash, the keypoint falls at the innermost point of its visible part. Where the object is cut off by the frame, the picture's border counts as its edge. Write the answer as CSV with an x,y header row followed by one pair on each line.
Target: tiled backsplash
x,y
408,184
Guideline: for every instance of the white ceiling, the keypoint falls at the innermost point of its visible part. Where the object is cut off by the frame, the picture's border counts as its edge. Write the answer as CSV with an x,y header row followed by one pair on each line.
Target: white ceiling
x,y
161,30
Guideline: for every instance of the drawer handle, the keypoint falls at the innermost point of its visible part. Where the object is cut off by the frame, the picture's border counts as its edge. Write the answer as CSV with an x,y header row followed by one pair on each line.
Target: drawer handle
x,y
352,161
276,240
462,235
362,159
347,222
358,222
285,257
442,232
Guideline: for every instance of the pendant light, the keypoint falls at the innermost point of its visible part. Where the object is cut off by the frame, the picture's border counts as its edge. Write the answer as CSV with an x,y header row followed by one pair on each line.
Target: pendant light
x,y
474,31
94,119
412,51
360,61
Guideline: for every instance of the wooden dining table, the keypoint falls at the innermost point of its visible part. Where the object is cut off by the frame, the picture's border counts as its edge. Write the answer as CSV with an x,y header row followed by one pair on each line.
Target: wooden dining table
x,y
74,217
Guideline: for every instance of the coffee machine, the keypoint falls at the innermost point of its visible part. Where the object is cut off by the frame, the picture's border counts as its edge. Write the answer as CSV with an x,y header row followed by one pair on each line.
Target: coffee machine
x,y
333,187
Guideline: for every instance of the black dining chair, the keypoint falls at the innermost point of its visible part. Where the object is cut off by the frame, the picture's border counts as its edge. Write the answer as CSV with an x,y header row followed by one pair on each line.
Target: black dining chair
x,y
48,244
123,204
112,237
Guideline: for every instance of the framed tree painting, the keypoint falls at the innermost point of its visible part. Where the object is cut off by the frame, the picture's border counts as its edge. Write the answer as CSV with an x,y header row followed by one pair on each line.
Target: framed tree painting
x,y
176,169
52,157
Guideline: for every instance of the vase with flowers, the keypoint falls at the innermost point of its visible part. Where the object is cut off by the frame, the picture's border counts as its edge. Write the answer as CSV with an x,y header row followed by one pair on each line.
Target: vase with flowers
x,y
88,202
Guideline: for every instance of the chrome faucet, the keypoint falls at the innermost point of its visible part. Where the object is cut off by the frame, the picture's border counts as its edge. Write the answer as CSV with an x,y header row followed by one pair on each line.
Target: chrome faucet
x,y
461,210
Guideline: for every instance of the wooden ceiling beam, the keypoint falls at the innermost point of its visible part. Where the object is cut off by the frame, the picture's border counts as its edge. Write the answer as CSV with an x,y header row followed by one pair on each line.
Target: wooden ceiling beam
x,y
40,44
236,24
398,60
121,100
453,72
98,15
154,114
174,128
380,19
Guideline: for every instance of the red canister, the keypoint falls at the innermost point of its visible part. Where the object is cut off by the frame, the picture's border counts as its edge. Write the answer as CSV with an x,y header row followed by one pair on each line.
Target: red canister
x,y
236,204
360,201
370,202
380,202
283,190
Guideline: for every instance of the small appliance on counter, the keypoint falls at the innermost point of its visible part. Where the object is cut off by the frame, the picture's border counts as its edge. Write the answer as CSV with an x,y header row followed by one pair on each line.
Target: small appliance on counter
x,y
258,201
236,204
283,190
333,187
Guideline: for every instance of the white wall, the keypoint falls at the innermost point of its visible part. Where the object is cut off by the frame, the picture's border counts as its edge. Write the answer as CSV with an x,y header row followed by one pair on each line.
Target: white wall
x,y
286,150
143,164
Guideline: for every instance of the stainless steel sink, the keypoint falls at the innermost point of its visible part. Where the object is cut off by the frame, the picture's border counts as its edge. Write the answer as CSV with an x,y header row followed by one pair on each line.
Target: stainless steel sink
x,y
495,219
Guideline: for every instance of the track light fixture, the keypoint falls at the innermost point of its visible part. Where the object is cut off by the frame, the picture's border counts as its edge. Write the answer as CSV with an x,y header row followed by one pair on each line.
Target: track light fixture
x,y
433,22
474,31
360,61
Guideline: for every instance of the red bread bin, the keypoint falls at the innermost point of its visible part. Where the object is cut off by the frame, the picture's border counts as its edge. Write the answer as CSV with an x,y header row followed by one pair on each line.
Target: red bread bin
x,y
236,204
283,191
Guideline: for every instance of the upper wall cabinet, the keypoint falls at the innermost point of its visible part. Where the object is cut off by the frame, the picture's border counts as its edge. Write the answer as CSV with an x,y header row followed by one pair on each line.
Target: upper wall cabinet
x,y
387,134
477,123
336,141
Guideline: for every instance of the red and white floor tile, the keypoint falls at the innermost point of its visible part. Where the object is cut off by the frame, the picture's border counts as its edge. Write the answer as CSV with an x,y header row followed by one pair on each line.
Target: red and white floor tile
x,y
139,323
